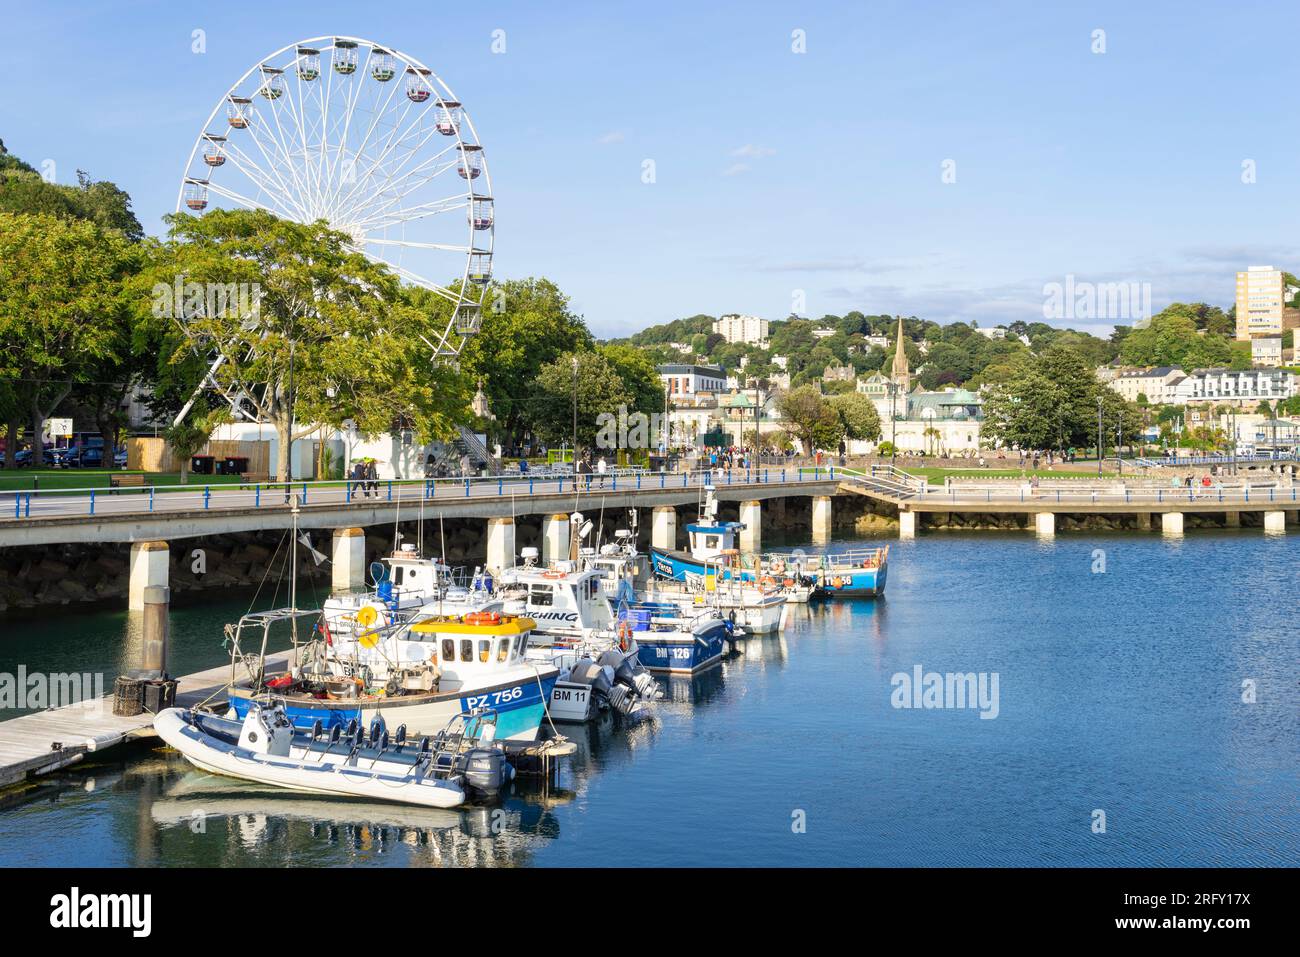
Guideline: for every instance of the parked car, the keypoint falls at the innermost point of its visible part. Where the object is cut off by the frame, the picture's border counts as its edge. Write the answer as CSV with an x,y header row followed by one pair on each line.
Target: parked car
x,y
91,457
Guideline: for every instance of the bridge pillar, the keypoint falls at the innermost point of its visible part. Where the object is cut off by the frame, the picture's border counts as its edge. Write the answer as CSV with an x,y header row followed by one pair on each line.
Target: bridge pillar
x,y
1275,522
1045,524
1232,520
500,544
148,568
555,538
1142,521
663,527
821,518
1171,524
751,536
906,524
349,559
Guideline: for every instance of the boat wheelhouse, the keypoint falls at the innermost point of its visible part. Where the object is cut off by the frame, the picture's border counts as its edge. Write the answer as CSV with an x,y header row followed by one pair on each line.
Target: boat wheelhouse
x,y
420,674
562,600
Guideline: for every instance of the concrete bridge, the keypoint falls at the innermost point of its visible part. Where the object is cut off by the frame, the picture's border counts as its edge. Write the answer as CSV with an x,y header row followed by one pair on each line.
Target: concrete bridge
x,y
1277,499
148,518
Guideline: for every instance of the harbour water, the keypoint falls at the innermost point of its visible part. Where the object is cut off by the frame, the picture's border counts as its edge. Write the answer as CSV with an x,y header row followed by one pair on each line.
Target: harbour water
x,y
1122,663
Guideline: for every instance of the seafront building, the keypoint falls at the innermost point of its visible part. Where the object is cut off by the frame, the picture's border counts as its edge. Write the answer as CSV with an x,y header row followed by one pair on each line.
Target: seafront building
x,y
1260,298
1169,385
690,380
750,330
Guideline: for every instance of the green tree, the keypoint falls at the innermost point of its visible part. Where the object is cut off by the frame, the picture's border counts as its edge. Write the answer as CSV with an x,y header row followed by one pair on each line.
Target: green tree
x,y
810,418
62,303
331,336
527,324
588,379
858,415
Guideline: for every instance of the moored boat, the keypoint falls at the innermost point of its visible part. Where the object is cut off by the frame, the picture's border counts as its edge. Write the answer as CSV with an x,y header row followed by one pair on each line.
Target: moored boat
x,y
265,747
420,674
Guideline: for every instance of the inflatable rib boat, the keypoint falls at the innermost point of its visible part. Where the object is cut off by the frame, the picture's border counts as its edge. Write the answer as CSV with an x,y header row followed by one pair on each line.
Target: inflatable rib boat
x,y
264,747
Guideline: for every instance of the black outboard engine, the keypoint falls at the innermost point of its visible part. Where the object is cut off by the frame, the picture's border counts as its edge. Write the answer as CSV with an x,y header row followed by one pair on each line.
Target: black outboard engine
x,y
486,771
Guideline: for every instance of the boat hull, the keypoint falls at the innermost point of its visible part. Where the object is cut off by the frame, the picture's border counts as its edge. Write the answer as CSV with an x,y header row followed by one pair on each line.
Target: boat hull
x,y
297,773
854,582
520,705
682,652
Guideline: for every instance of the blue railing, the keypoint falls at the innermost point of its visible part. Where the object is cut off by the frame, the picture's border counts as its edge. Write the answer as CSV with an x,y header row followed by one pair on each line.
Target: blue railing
x,y
70,502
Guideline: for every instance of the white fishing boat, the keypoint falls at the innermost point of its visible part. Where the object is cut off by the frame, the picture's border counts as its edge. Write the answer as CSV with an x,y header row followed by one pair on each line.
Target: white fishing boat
x,y
757,607
419,673
265,747
576,632
563,600
406,585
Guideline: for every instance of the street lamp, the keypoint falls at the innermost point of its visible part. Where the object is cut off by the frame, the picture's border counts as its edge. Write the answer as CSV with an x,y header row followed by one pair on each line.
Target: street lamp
x,y
575,414
1099,436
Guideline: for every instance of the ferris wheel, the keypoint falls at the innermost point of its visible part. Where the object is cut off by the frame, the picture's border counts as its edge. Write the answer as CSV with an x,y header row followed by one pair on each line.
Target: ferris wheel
x,y
371,141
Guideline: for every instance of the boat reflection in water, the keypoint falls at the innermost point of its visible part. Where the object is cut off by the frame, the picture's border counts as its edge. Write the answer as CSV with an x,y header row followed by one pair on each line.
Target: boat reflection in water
x,y
257,819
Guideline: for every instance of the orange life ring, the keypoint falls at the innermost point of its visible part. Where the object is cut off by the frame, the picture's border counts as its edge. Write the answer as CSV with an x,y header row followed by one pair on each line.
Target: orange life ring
x,y
837,582
768,581
789,582
483,618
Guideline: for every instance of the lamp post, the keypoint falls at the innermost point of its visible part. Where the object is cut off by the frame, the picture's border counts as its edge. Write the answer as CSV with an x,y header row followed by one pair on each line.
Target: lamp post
x,y
575,415
1099,437
1119,441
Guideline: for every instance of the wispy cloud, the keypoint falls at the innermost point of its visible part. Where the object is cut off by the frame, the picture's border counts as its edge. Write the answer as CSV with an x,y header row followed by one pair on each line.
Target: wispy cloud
x,y
750,151
613,136
735,169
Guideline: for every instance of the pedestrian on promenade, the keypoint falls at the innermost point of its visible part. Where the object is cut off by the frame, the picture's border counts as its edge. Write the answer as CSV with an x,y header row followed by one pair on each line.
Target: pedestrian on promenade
x,y
601,467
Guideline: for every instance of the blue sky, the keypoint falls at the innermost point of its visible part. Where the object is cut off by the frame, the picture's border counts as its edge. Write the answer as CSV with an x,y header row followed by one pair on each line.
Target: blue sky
x,y
775,172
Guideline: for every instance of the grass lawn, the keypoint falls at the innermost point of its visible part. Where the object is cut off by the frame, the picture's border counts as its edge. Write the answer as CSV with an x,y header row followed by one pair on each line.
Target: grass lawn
x,y
935,476
24,480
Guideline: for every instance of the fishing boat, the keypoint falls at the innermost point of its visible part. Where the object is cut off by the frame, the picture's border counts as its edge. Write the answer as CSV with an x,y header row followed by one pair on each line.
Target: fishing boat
x,y
419,673
576,632
597,677
758,608
850,573
264,746
405,585
673,641
562,600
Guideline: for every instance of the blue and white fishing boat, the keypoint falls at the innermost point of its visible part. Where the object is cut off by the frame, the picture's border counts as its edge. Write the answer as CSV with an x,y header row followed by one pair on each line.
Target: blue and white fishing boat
x,y
852,573
420,674
673,641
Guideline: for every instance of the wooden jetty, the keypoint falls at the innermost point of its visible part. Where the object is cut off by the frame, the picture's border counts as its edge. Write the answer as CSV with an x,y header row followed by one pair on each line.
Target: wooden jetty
x,y
45,741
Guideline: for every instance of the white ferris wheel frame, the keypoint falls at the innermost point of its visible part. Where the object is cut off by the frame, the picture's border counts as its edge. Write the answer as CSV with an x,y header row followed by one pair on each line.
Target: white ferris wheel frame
x,y
298,193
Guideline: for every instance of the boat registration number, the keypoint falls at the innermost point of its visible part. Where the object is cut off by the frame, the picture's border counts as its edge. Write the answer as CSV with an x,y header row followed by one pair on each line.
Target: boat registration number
x,y
504,696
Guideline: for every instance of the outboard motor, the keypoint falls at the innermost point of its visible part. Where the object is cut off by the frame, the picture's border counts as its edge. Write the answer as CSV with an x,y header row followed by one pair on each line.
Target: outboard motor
x,y
486,770
587,672
646,686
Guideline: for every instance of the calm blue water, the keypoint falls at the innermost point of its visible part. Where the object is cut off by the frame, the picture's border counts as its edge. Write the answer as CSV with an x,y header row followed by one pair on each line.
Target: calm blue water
x,y
1119,692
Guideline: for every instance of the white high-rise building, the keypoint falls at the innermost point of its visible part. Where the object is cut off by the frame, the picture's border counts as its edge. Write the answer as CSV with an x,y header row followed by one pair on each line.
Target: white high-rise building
x,y
736,328
1260,291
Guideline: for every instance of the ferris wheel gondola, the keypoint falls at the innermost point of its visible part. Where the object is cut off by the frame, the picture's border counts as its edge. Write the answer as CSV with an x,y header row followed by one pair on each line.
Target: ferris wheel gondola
x,y
324,129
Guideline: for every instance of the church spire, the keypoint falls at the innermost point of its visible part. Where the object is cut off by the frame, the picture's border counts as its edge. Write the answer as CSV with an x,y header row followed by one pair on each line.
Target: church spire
x,y
901,374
